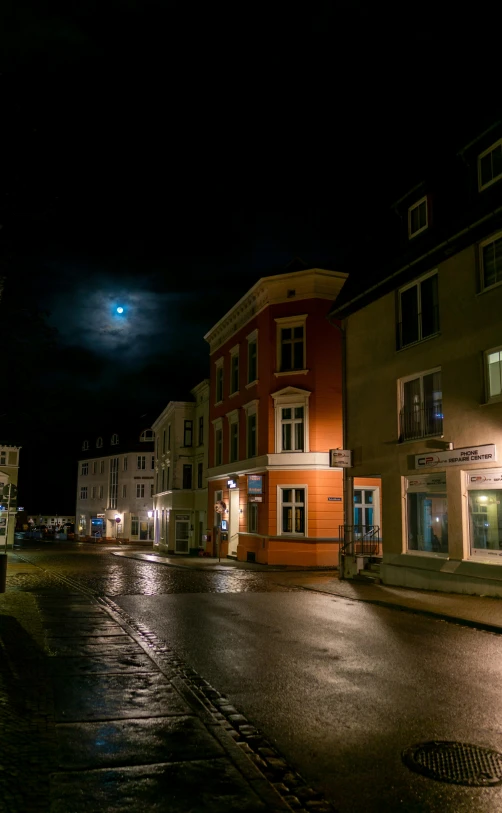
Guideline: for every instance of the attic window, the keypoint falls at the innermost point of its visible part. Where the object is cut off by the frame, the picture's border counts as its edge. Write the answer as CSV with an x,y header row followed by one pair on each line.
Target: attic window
x,y
115,440
146,436
417,217
85,445
490,165
99,443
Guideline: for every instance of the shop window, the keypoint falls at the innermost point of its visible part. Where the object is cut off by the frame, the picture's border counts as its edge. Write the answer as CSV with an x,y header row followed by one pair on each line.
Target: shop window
x,y
292,509
134,526
421,409
485,512
427,514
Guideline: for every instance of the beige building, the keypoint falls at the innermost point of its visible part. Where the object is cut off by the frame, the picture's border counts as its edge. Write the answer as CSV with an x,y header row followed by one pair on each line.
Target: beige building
x,y
9,468
424,384
180,493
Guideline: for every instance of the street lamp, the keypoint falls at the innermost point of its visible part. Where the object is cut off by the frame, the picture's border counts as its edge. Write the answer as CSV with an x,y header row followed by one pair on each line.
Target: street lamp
x,y
150,514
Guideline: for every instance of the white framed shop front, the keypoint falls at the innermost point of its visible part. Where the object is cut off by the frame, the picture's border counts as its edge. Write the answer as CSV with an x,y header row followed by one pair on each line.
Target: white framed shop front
x,y
484,507
426,513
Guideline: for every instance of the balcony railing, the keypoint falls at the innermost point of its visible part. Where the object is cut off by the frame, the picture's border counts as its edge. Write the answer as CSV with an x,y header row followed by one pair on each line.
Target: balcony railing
x,y
421,422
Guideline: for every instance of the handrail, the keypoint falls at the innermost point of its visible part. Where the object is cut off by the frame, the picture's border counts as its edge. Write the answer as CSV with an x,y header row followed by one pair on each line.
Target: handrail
x,y
360,540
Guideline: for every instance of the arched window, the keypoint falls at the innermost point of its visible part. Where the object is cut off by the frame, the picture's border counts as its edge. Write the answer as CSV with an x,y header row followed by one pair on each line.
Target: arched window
x,y
85,445
146,436
115,440
99,443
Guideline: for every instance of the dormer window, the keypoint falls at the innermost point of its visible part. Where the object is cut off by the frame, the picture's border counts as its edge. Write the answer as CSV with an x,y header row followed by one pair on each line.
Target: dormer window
x,y
115,440
99,443
85,445
418,219
146,436
490,165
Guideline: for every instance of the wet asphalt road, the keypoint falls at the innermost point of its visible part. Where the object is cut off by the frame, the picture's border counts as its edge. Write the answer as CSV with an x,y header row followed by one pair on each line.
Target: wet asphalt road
x,y
340,687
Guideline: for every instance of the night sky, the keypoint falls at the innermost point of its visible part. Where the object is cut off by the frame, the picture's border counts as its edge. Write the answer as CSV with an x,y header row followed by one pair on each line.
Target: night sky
x,y
162,156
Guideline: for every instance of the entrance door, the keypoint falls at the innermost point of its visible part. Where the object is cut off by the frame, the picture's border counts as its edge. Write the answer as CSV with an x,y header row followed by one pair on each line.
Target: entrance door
x,y
181,529
233,536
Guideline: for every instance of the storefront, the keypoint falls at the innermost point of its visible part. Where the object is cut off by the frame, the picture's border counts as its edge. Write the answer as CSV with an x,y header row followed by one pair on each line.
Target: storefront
x,y
426,509
484,492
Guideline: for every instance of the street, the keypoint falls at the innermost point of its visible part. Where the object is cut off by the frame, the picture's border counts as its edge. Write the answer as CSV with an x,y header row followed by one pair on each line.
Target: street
x,y
339,687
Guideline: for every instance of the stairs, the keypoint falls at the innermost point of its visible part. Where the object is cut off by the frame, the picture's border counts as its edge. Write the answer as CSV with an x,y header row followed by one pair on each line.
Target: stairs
x,y
371,572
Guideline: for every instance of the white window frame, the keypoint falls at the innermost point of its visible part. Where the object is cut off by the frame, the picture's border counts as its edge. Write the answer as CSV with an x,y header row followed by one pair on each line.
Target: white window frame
x,y
490,149
492,239
251,408
416,283
401,382
140,491
115,439
83,492
416,205
218,427
147,436
252,338
291,322
234,354
84,470
218,364
291,397
280,531
491,399
141,462
233,419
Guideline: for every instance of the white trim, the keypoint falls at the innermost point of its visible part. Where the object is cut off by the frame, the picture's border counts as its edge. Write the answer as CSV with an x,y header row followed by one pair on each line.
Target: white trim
x,y
490,149
234,351
251,384
292,372
232,417
416,283
411,208
253,336
299,320
280,532
289,398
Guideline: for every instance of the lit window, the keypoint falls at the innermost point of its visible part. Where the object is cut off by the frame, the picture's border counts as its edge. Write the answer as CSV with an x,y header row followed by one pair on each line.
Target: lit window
x,y
292,509
421,412
115,440
417,218
141,462
146,436
493,367
491,261
85,469
418,311
99,443
140,490
490,165
291,343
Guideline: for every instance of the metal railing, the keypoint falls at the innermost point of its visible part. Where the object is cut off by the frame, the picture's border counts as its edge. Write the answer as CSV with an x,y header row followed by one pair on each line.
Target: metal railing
x,y
421,421
360,540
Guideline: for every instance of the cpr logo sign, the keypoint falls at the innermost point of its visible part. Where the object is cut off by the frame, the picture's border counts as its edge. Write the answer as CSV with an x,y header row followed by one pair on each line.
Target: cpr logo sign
x,y
429,460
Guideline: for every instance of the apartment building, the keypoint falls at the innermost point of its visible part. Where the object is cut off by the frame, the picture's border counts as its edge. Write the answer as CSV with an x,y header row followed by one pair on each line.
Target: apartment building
x,y
9,471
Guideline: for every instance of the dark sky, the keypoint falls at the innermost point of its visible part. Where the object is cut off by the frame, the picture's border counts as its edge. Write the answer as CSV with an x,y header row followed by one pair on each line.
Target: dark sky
x,y
165,155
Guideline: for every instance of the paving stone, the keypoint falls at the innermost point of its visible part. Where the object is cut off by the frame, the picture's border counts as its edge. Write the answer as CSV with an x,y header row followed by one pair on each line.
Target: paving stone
x,y
205,786
113,697
135,663
91,630
134,742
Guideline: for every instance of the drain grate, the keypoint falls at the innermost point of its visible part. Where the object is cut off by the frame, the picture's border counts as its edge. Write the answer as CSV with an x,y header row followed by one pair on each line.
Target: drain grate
x,y
455,762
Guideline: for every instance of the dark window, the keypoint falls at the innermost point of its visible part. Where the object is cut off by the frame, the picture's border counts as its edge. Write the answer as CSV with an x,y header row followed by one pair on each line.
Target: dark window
x,y
422,407
187,475
293,511
218,447
169,437
417,217
219,384
490,165
201,430
251,435
252,362
162,489
418,311
187,437
292,348
234,441
200,469
252,517
492,262
234,377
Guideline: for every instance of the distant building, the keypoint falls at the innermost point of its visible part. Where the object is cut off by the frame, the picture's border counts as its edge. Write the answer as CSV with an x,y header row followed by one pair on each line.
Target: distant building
x,y
115,486
9,468
180,493
423,331
51,521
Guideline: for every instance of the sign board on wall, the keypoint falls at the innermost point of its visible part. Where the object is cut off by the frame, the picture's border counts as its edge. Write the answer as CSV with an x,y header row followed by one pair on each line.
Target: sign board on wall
x,y
340,458
334,499
255,484
485,479
255,498
457,457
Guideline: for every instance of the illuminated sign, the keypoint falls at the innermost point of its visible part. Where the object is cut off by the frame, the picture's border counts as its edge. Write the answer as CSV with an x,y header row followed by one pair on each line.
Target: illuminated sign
x,y
457,457
340,458
232,483
255,484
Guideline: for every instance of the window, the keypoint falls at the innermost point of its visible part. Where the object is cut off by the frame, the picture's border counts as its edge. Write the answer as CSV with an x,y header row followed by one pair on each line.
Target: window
x,y
252,356
417,218
85,469
234,442
291,511
115,440
421,413
234,370
114,481
168,477
164,442
187,433
101,466
200,471
201,430
162,480
141,462
251,434
134,526
219,381
101,491
83,493
218,445
218,497
151,489
146,436
187,475
124,491
169,438
93,492
157,439
418,311
124,464
291,343
252,517
95,467
292,419
491,261
490,165
427,513
493,368
152,462
140,490
85,445
99,443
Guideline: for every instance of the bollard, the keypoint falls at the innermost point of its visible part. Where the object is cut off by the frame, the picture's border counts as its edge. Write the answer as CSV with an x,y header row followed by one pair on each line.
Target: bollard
x,y
3,571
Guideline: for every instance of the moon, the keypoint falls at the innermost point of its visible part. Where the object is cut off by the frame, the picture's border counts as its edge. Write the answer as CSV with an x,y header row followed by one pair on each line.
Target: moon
x,y
120,309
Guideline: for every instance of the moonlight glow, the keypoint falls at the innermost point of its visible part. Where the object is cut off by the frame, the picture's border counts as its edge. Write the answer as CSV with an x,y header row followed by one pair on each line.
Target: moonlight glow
x,y
120,309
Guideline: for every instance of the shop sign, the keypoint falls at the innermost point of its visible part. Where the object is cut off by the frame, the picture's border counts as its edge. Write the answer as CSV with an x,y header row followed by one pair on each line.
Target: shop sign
x,y
456,457
255,498
485,479
340,458
182,517
255,484
232,483
428,481
100,516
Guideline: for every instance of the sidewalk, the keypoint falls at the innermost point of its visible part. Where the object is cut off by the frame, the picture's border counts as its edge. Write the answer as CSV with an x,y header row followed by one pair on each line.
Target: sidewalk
x,y
96,715
474,611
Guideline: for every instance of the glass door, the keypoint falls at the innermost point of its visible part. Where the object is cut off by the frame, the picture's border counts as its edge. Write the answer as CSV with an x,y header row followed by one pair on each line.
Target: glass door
x,y
182,530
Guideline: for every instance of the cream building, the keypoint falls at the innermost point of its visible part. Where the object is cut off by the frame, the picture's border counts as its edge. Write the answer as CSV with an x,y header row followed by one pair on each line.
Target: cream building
x,y
424,382
9,468
180,494
115,487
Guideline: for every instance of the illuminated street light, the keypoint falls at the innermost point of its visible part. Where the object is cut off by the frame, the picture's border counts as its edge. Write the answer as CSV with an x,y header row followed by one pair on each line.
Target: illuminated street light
x,y
150,514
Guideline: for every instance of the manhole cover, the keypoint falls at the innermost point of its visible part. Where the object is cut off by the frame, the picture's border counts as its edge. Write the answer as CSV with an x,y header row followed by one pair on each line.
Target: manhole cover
x,y
456,762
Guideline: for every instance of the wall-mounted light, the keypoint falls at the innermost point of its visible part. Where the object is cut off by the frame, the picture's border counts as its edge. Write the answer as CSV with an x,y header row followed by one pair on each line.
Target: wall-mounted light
x,y
150,514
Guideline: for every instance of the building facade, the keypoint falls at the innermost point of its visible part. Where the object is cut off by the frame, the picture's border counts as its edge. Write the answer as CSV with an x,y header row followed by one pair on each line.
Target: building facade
x,y
9,470
115,486
275,412
426,341
180,492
